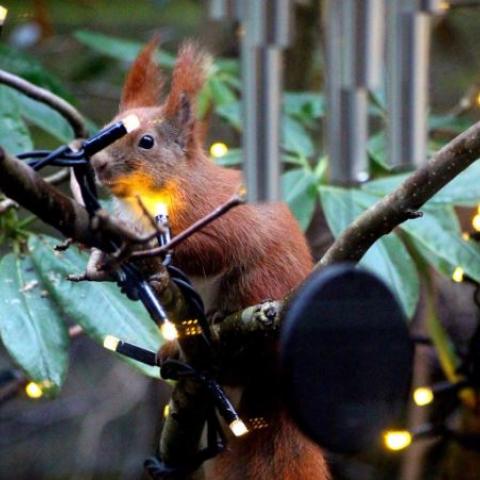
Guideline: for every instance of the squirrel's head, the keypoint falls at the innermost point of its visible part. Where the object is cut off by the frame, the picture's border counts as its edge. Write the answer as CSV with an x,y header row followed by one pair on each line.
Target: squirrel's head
x,y
149,161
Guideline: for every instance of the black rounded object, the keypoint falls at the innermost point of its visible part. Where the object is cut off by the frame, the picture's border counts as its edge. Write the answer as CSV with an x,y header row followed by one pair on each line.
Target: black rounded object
x,y
346,358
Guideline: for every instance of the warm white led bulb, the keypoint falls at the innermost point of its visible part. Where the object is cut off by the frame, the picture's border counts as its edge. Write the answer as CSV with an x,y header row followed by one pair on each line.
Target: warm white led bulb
x,y
131,122
476,222
161,209
238,428
397,440
423,396
3,14
111,343
169,331
33,390
457,275
218,149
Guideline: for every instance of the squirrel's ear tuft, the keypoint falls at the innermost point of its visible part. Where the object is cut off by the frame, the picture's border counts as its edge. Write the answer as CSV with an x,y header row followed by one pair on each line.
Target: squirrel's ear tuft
x,y
189,75
143,84
188,78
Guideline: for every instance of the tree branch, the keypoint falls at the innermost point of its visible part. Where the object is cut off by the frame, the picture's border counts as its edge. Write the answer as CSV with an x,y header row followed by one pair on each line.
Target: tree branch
x,y
53,179
70,113
382,217
182,431
24,186
183,428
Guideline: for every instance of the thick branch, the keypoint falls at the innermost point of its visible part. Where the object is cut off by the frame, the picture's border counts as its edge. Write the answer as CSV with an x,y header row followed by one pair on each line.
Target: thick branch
x,y
70,113
53,179
398,206
24,186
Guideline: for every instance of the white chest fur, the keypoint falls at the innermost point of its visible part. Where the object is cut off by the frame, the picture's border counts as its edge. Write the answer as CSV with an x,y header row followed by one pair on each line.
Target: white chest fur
x,y
208,288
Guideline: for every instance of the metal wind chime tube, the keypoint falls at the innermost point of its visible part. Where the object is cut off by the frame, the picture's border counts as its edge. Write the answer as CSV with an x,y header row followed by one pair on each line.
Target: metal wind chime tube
x,y
354,39
266,33
407,86
223,9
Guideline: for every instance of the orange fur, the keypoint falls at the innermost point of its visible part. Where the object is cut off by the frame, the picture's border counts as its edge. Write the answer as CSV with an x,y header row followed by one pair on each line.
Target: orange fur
x,y
188,77
258,251
143,84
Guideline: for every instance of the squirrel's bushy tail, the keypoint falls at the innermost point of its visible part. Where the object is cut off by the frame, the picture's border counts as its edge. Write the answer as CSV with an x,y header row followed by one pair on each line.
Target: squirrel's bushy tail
x,y
279,452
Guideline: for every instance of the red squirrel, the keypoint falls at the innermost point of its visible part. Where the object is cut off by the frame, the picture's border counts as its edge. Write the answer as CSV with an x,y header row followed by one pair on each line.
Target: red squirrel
x,y
253,253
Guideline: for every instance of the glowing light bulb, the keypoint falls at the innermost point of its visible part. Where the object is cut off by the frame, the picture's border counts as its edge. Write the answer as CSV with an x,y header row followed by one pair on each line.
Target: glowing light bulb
x,y
161,209
444,6
397,439
218,149
166,410
238,428
3,14
131,123
169,331
457,275
33,390
111,343
476,222
423,396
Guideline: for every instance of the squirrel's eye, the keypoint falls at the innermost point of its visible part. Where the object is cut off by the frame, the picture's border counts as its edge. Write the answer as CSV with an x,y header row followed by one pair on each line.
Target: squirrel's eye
x,y
146,142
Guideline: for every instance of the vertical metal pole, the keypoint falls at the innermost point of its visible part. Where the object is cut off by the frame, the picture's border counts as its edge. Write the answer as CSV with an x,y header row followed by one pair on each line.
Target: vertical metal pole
x,y
407,85
354,39
266,33
222,9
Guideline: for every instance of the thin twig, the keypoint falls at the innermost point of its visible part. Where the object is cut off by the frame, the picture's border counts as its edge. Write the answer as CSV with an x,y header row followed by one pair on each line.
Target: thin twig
x,y
58,177
195,227
70,113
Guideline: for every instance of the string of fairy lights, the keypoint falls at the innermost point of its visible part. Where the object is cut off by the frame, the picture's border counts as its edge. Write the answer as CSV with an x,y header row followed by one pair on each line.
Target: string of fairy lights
x,y
464,389
394,440
136,287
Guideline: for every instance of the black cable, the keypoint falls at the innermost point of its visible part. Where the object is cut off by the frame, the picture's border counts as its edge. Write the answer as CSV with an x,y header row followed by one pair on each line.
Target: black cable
x,y
51,156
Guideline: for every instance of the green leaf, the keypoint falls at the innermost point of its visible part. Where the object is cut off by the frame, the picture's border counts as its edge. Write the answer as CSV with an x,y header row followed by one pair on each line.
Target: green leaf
x,y
204,100
462,190
228,67
221,93
377,149
27,67
388,257
31,327
379,99
232,157
295,159
299,191
119,48
452,123
14,134
98,307
439,233
305,106
231,113
43,117
296,139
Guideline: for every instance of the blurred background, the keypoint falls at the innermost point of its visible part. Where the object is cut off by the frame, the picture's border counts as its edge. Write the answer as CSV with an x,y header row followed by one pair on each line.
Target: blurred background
x,y
104,422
